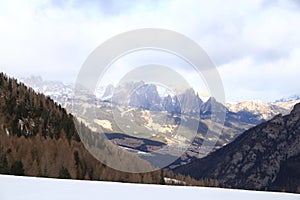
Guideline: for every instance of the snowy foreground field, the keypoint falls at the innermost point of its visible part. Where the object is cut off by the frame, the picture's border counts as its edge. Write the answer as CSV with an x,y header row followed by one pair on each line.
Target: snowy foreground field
x,y
26,188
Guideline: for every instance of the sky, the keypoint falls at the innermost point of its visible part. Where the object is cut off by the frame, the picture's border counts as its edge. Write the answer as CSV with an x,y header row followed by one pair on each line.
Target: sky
x,y
254,44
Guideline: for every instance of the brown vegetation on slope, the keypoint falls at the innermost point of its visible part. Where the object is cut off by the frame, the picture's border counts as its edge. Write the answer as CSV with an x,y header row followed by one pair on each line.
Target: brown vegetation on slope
x,y
38,138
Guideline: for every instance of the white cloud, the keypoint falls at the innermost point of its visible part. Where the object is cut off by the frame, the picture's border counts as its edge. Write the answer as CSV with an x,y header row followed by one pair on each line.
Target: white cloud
x,y
250,41
248,79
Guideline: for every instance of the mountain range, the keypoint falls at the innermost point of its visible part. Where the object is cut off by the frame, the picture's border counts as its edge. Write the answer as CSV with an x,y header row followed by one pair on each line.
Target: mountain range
x,y
39,138
263,109
62,93
250,153
149,109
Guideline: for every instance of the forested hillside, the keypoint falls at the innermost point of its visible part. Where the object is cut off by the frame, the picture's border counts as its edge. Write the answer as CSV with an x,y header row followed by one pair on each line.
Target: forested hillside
x,y
265,157
39,138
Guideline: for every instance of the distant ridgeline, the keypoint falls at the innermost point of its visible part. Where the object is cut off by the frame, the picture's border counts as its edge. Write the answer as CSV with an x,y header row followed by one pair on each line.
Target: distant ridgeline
x,y
39,138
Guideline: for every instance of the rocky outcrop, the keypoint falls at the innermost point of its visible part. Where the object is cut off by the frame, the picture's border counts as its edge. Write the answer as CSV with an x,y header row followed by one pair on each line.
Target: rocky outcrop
x,y
145,97
255,159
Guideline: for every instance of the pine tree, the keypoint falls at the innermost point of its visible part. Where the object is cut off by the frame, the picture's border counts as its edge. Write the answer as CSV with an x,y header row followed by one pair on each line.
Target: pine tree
x,y
64,173
3,164
17,169
162,178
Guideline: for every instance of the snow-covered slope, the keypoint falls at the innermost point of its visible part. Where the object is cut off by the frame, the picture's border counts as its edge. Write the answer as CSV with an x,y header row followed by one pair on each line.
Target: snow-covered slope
x,y
58,91
286,104
29,188
289,99
264,109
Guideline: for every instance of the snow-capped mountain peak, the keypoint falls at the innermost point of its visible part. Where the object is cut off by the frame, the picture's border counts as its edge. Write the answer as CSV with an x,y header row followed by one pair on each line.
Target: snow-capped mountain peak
x,y
265,109
61,92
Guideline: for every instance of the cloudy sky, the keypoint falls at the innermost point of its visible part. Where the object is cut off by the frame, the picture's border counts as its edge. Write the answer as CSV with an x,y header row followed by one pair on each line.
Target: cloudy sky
x,y
255,44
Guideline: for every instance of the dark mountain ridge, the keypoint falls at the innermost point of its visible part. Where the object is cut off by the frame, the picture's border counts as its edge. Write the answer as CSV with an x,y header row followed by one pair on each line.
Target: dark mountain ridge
x,y
265,157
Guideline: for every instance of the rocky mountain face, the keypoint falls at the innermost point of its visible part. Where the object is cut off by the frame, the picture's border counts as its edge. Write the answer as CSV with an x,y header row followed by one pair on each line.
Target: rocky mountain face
x,y
161,113
146,97
254,109
38,138
108,92
187,102
171,104
265,157
264,110
239,117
